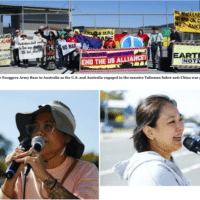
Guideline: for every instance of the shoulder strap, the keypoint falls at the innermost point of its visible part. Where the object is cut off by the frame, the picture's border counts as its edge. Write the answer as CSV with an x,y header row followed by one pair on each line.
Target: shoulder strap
x,y
69,171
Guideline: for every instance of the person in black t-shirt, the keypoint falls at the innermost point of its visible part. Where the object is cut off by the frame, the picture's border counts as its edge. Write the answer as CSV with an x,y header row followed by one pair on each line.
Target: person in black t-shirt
x,y
174,37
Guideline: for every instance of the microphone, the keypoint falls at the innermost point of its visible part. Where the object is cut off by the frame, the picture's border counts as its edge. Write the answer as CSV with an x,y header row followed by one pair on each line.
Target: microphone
x,y
12,168
38,144
192,143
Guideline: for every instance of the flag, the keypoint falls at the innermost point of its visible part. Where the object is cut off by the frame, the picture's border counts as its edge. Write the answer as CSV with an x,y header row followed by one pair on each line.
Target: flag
x,y
88,42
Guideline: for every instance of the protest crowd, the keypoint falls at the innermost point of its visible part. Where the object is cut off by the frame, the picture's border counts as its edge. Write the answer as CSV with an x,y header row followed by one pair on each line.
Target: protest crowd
x,y
67,44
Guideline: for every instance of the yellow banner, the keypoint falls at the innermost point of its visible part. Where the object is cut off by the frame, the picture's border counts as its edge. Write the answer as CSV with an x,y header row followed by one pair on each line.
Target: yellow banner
x,y
187,21
186,55
101,33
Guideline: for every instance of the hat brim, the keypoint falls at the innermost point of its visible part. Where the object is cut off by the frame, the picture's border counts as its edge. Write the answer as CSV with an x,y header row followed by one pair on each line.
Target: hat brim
x,y
62,124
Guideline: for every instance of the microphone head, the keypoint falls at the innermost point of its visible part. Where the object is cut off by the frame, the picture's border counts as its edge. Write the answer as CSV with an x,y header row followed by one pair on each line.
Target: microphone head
x,y
192,143
38,143
25,144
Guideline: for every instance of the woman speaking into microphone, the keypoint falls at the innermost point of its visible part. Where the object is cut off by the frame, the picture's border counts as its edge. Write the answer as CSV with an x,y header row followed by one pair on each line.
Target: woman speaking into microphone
x,y
55,171
158,133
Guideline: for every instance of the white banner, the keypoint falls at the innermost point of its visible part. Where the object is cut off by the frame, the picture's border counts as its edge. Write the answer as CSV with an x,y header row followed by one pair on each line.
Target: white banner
x,y
30,49
5,41
68,47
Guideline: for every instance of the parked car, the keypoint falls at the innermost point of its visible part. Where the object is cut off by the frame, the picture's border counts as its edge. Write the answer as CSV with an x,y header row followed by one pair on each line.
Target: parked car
x,y
191,128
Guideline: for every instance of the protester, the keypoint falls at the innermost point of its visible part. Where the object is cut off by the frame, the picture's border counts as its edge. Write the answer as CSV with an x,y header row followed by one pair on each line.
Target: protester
x,y
125,32
67,30
145,38
39,38
75,63
94,35
71,37
174,37
25,61
56,171
155,40
76,31
109,43
51,47
158,133
15,40
61,62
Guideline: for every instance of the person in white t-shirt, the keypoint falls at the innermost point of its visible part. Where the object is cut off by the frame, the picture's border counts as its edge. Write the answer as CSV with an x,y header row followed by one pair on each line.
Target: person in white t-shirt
x,y
39,38
15,40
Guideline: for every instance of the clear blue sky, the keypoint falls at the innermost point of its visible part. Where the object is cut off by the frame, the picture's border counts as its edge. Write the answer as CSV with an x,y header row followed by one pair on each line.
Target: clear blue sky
x,y
113,7
83,104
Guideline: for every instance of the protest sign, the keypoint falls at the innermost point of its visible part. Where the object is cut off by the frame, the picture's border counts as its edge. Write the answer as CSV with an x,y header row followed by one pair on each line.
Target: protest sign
x,y
187,21
114,58
68,47
186,55
30,49
101,33
51,54
5,43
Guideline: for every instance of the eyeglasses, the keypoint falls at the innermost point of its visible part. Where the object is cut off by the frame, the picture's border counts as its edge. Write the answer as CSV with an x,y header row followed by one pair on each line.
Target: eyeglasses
x,y
47,129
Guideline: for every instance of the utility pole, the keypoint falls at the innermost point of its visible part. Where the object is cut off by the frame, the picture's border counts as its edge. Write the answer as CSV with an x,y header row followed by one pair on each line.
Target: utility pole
x,y
22,16
70,14
119,18
166,15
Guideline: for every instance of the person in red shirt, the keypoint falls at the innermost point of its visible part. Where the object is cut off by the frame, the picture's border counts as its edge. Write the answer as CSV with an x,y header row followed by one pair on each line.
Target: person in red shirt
x,y
144,36
71,37
109,43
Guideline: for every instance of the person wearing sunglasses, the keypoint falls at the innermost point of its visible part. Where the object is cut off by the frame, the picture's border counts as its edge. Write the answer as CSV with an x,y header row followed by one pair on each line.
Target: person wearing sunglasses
x,y
56,171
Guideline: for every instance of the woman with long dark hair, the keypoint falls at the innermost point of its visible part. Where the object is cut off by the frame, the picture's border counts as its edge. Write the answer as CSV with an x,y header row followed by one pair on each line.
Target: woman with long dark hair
x,y
158,133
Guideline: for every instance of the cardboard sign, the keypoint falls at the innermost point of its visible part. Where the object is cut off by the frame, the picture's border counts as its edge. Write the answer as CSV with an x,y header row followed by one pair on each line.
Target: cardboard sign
x,y
185,55
114,58
5,43
68,47
30,49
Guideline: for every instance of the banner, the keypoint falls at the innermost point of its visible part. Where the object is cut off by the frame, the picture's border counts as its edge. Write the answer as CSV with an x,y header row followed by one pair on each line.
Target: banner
x,y
101,33
68,47
30,49
114,58
5,44
187,21
186,55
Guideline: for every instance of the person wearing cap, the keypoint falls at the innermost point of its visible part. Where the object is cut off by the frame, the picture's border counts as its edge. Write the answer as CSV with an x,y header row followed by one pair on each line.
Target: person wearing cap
x,y
125,32
95,35
174,37
109,43
25,61
67,30
56,171
15,40
155,40
39,38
